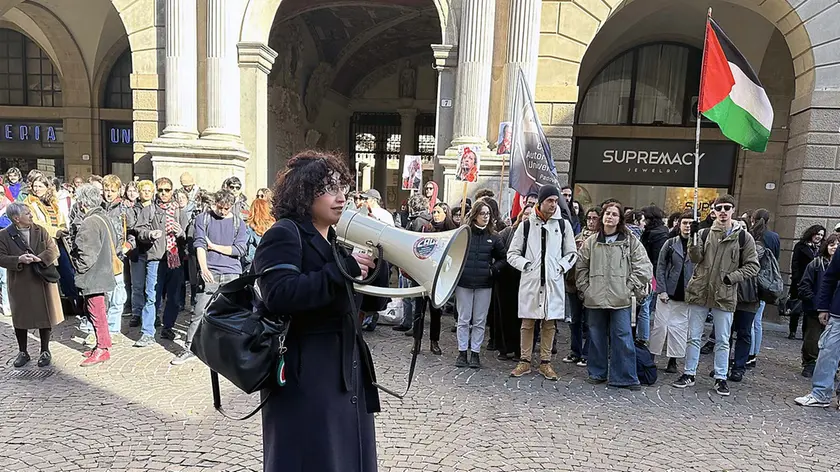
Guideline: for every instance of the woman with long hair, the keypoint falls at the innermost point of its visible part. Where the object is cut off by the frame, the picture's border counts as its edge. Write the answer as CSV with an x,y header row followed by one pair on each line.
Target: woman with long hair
x,y
46,214
804,251
507,288
809,286
322,418
612,268
485,257
258,222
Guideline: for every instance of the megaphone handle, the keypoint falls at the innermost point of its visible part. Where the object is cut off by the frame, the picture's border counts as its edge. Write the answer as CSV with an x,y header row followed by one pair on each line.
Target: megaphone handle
x,y
371,276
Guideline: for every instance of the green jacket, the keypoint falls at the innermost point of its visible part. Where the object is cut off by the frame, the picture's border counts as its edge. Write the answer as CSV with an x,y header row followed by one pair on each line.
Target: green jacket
x,y
608,275
720,256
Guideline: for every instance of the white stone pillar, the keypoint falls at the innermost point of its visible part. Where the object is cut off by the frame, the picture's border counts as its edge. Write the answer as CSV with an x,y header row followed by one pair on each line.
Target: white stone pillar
x,y
222,72
475,63
255,60
446,61
181,70
522,48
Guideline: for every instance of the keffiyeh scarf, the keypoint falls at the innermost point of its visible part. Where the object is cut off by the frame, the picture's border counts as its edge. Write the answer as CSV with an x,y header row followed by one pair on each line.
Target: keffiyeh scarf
x,y
171,210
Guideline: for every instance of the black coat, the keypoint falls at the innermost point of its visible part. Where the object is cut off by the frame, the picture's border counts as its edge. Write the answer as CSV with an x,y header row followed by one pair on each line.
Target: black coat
x,y
809,285
322,419
803,254
93,250
653,239
485,257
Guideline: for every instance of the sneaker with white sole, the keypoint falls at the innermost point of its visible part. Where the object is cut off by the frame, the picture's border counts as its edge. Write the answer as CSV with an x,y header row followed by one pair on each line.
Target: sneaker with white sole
x,y
581,363
184,357
810,400
684,381
721,388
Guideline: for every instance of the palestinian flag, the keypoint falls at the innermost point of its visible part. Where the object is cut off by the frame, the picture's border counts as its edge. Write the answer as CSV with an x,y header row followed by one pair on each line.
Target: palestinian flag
x,y
731,94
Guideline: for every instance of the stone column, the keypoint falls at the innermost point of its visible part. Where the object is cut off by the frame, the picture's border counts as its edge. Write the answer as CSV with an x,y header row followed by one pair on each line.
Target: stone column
x,y
446,59
408,118
475,62
181,70
522,48
255,61
222,72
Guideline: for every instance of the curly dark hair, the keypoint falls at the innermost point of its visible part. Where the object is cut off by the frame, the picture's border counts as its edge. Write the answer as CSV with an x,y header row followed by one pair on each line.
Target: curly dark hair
x,y
307,176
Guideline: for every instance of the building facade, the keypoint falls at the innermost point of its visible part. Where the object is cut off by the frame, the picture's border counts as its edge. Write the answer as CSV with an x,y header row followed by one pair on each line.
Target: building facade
x,y
233,87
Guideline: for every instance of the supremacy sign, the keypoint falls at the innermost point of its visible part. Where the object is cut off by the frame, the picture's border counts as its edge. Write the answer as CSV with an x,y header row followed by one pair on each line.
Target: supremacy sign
x,y
653,162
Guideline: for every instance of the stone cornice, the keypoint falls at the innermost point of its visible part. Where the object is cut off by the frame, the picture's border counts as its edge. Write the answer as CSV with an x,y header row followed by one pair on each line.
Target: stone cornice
x,y
257,55
446,56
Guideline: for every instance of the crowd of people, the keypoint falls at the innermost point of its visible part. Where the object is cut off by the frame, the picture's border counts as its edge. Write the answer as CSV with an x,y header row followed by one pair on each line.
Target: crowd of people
x,y
625,280
622,279
100,248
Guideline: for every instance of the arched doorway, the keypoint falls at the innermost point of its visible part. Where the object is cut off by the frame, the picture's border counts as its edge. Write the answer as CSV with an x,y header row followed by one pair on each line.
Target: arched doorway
x,y
357,79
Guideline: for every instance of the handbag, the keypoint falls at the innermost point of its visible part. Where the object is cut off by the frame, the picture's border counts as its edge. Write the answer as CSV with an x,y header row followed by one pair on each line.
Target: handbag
x,y
116,263
49,273
239,340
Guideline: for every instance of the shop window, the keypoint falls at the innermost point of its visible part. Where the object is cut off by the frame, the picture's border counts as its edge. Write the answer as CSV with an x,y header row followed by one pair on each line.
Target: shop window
x,y
27,76
651,85
118,90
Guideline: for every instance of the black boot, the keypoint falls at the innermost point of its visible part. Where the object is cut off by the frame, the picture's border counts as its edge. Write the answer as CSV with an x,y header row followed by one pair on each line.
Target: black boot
x,y
475,362
672,366
461,361
435,348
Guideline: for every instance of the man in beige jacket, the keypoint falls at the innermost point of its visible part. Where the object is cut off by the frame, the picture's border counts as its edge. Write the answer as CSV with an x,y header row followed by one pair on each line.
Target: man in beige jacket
x,y
723,256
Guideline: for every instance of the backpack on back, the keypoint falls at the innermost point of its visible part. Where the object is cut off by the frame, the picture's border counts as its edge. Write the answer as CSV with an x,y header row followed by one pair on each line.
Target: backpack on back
x,y
769,278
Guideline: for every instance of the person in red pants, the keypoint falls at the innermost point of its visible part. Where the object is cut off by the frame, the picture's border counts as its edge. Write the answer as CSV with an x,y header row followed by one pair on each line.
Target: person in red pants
x,y
94,256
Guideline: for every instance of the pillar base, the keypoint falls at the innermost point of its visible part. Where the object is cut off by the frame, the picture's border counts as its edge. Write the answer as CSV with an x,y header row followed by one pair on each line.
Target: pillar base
x,y
209,161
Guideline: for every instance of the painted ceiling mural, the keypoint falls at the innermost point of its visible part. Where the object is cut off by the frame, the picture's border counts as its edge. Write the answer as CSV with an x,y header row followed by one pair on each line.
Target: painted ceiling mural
x,y
358,39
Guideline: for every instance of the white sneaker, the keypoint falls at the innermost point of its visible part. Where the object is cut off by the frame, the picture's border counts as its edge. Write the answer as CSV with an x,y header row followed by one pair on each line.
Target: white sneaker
x,y
810,400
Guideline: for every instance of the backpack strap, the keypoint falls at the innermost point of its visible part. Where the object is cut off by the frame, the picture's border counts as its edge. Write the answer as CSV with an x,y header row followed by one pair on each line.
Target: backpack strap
x,y
525,231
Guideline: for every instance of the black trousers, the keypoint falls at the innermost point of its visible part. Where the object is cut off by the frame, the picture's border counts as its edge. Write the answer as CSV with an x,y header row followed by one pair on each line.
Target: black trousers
x,y
812,329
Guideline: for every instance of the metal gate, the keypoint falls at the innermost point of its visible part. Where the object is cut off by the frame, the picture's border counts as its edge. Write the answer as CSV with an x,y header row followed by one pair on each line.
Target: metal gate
x,y
375,136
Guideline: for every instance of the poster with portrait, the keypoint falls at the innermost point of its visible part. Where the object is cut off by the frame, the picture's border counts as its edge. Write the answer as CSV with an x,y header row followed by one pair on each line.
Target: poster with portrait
x,y
468,163
412,174
505,140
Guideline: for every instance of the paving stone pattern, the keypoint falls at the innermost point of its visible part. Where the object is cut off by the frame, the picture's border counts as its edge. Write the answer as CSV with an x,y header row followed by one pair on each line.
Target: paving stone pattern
x,y
138,413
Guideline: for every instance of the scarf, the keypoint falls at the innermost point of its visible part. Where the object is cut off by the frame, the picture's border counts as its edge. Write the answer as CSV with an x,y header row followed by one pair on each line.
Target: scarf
x,y
170,209
51,212
540,215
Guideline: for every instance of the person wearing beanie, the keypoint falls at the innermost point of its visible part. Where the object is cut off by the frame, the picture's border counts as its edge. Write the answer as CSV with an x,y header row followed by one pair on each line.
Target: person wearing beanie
x,y
542,247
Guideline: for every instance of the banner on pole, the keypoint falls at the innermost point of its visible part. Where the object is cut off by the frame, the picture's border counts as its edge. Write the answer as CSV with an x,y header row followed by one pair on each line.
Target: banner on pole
x,y
531,163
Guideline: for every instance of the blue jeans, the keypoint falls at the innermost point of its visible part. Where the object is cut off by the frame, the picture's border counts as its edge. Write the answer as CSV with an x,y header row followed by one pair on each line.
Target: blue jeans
x,y
169,282
67,276
114,303
643,321
4,292
144,275
823,380
758,330
723,330
742,326
611,347
579,327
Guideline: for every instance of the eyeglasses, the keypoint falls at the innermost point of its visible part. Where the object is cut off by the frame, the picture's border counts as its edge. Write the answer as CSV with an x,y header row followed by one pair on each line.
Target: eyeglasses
x,y
724,207
484,213
430,188
336,188
164,190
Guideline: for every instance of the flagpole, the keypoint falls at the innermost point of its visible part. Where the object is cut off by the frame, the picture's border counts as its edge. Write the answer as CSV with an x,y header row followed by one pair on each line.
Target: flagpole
x,y
699,119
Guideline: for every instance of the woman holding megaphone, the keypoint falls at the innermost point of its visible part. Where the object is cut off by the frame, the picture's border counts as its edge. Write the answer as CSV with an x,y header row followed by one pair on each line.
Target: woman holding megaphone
x,y
322,418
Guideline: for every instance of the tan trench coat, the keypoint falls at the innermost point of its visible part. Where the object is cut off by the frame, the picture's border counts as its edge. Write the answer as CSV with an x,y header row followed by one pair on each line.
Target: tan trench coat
x,y
35,304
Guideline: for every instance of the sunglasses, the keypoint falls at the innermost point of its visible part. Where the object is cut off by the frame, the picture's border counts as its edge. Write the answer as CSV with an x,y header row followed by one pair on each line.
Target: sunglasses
x,y
260,195
724,207
164,190
234,187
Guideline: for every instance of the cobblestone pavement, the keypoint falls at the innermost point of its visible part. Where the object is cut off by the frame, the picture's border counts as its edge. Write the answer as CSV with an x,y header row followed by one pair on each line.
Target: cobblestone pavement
x,y
137,413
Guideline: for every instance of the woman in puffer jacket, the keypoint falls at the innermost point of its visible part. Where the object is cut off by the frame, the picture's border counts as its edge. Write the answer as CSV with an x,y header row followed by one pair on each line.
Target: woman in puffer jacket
x,y
485,258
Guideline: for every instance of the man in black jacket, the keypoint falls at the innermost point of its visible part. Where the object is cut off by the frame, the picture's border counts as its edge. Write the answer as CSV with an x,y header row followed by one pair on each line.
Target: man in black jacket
x,y
160,229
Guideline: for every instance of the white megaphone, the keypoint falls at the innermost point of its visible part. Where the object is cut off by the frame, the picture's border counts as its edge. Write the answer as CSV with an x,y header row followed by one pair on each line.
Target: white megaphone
x,y
434,260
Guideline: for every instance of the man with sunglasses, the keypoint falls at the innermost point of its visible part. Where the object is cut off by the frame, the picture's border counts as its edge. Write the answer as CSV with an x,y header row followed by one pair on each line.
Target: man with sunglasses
x,y
240,207
160,233
723,256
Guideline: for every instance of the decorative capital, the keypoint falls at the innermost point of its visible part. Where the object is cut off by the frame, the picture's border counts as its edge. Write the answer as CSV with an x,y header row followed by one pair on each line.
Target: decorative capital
x,y
257,55
446,56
